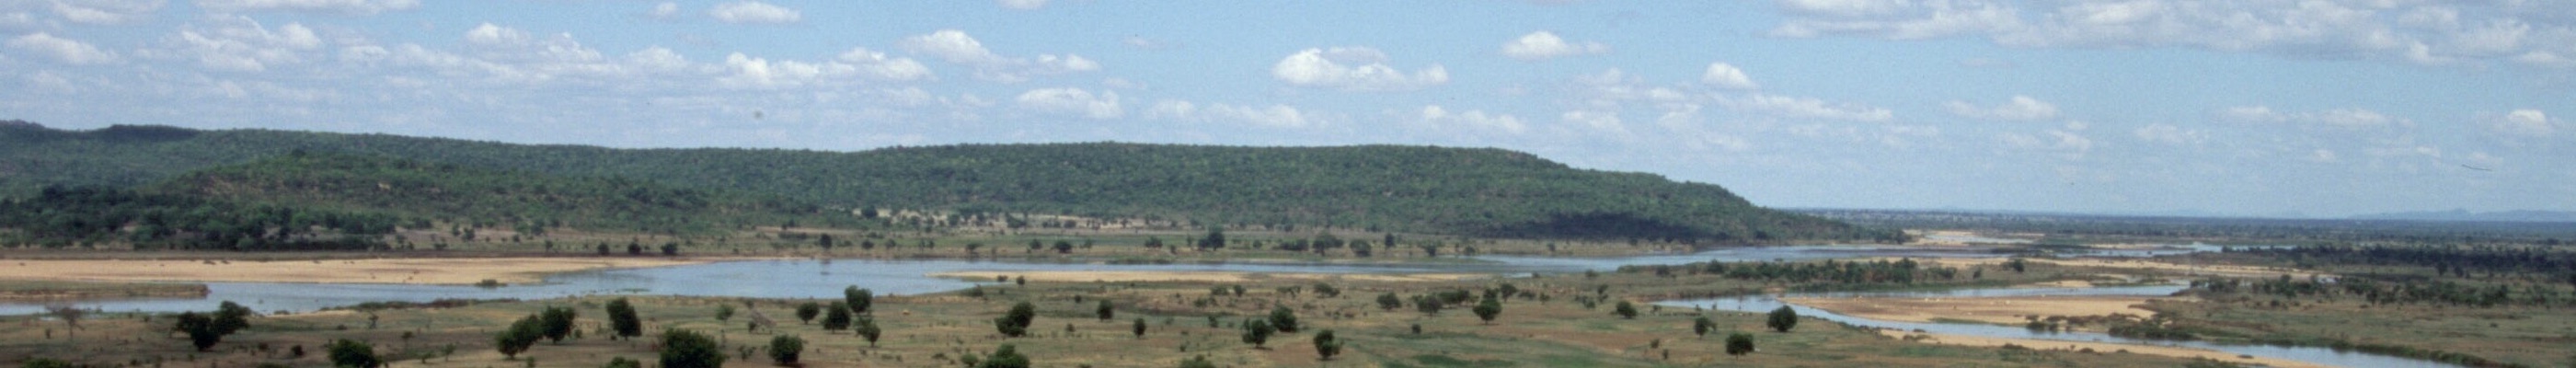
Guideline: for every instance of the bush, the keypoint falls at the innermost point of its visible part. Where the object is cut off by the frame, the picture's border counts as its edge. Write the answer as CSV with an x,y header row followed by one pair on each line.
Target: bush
x,y
1106,310
805,312
621,315
1625,310
1389,302
1488,309
1283,319
351,353
858,299
1326,345
784,349
519,337
1140,328
1016,323
690,349
1198,362
558,322
1702,325
838,319
1256,332
1005,357
622,362
867,328
1783,319
1739,343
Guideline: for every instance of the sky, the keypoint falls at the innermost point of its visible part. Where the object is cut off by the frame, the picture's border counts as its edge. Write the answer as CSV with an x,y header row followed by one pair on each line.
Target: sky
x,y
2229,107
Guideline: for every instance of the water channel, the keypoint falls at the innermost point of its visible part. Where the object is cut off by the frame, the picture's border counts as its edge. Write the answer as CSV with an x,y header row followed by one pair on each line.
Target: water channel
x,y
806,278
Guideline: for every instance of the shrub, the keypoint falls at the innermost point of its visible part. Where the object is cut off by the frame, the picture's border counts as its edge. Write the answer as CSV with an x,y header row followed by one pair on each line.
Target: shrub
x,y
351,353
1283,319
1783,319
1701,326
1625,310
1739,343
519,337
1016,322
1488,309
805,312
1106,310
558,322
1256,332
621,315
838,319
1326,345
784,349
1005,357
867,328
858,299
690,349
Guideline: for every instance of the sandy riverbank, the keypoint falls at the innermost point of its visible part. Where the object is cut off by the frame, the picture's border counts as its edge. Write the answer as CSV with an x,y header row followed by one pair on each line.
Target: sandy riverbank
x,y
1198,276
1996,310
2099,347
442,271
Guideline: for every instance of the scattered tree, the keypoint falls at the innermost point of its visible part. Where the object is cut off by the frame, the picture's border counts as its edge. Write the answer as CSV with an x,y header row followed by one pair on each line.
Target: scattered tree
x,y
1739,343
1702,325
690,349
866,327
1326,345
200,330
1198,362
1783,319
1283,319
1140,328
724,312
559,322
621,316
351,353
1427,304
1625,310
858,299
1389,302
1004,357
1256,332
519,336
838,319
1016,322
1106,310
784,349
1488,309
805,312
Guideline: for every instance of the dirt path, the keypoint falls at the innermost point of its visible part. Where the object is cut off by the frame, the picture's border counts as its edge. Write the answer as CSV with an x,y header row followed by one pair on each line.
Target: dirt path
x,y
2099,347
443,271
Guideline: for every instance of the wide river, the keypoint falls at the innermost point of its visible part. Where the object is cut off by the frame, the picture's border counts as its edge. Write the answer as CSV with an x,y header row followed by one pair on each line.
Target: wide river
x,y
825,279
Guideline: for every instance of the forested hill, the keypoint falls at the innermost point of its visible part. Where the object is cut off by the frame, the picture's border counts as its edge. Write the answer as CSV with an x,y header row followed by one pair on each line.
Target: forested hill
x,y
526,201
1482,192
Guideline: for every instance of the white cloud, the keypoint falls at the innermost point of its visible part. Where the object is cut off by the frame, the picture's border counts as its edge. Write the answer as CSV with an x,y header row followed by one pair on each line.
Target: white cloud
x,y
877,66
2524,123
1353,69
1022,4
238,43
856,64
2020,108
2058,140
67,51
1544,45
106,11
2533,33
1805,108
1437,117
325,6
665,10
957,47
2169,134
1722,75
2337,118
754,12
1605,121
1074,101
1280,116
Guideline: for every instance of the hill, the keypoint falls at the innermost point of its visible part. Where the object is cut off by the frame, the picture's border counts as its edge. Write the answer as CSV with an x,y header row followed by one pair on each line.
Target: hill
x,y
2465,215
1479,192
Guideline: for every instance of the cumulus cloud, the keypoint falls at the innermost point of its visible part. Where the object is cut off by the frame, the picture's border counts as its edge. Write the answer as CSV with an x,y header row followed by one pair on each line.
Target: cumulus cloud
x,y
957,47
1543,45
1723,75
238,43
1022,4
856,64
102,12
2424,32
2169,134
754,12
2020,108
1073,101
2524,123
2057,140
666,10
1353,69
1605,121
67,51
1438,117
1280,116
2337,118
361,7
1805,108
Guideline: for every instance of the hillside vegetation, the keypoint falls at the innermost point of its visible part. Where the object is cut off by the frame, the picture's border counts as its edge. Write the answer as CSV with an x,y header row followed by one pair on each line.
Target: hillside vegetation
x,y
1475,192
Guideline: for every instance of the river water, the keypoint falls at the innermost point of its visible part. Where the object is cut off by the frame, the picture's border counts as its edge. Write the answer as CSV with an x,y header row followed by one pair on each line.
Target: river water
x,y
825,279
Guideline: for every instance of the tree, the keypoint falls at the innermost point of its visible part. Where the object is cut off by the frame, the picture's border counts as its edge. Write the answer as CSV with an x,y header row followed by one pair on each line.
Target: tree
x,y
351,353
2017,264
1326,290
690,349
1215,239
1488,309
230,317
724,312
1283,319
1004,357
1140,328
1739,343
621,316
559,321
1063,246
1625,310
784,349
1388,301
858,299
603,249
1783,319
200,330
866,327
622,362
519,336
805,312
1427,304
1106,310
1198,362
824,242
1702,325
1326,345
1016,322
1256,332
839,317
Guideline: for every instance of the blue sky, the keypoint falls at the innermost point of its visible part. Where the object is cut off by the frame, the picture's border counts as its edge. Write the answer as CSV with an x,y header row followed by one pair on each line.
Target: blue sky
x,y
2244,107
